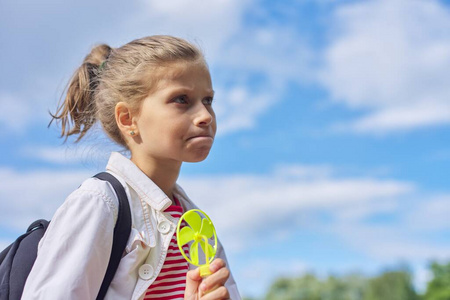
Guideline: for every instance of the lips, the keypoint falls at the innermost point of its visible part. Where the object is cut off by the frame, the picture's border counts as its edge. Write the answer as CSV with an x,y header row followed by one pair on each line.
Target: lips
x,y
201,136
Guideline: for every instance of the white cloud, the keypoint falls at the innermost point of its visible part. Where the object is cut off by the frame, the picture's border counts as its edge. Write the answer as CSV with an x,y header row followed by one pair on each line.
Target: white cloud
x,y
54,155
391,243
97,150
238,108
304,172
27,196
285,198
384,220
430,214
404,235
213,22
17,114
390,59
359,212
276,52
400,118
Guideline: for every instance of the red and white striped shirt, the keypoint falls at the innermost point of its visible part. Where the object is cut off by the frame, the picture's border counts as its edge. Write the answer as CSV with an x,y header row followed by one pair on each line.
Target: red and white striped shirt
x,y
171,281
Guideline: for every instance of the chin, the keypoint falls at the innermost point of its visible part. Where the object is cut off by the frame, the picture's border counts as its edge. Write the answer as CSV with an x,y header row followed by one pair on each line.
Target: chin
x,y
197,157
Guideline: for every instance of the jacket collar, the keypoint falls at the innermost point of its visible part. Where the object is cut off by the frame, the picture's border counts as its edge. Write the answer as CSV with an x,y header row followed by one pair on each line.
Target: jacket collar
x,y
146,189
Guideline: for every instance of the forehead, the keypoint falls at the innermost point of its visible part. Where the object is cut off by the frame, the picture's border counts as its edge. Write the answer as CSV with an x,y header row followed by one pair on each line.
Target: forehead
x,y
183,73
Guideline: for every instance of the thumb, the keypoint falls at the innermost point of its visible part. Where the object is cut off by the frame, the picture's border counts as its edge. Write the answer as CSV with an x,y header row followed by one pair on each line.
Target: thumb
x,y
193,280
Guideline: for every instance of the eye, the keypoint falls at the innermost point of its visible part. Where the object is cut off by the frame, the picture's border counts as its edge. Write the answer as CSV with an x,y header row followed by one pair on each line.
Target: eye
x,y
183,99
207,101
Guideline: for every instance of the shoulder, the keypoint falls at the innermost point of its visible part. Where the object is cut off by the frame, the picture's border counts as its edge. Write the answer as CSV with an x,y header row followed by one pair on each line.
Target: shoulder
x,y
93,193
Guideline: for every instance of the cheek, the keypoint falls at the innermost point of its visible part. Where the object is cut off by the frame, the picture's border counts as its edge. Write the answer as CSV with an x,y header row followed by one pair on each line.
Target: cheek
x,y
214,120
214,124
173,131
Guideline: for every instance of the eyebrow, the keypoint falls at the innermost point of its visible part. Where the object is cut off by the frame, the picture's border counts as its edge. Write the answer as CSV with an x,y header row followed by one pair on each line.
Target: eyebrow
x,y
187,89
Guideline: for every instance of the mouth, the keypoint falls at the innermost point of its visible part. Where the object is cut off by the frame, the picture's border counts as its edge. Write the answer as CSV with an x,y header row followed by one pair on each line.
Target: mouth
x,y
201,137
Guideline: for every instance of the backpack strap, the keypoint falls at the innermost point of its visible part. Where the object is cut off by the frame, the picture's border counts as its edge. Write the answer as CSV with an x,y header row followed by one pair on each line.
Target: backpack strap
x,y
122,231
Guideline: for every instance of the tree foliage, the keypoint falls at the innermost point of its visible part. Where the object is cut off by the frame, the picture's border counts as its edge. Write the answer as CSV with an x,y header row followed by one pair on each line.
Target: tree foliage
x,y
390,285
439,286
309,287
393,285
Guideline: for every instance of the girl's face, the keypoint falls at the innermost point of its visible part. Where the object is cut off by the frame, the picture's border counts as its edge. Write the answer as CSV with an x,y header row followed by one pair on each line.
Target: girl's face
x,y
176,121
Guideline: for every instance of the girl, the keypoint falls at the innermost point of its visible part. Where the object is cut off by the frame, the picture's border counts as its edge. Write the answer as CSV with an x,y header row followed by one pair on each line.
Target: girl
x,y
153,96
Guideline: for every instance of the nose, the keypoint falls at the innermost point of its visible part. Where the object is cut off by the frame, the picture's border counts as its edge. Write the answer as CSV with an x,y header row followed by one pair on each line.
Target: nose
x,y
204,116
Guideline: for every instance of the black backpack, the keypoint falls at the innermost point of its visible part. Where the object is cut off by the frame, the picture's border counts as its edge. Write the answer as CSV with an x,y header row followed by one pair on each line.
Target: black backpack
x,y
17,259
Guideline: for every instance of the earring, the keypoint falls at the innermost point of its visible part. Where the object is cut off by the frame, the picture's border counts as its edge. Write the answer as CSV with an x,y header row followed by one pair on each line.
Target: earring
x,y
132,132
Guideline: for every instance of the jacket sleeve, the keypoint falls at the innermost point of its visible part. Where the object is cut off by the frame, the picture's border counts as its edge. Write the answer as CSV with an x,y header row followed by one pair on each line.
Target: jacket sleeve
x,y
231,283
74,253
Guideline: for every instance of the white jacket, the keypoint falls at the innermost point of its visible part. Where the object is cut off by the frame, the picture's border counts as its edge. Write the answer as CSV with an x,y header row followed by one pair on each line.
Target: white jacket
x,y
74,253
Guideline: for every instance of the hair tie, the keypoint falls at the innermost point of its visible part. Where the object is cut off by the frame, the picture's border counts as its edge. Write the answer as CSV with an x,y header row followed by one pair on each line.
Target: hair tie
x,y
102,65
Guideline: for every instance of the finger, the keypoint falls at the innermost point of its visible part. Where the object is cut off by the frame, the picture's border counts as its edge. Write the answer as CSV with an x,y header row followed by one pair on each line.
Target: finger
x,y
217,264
220,293
193,280
215,280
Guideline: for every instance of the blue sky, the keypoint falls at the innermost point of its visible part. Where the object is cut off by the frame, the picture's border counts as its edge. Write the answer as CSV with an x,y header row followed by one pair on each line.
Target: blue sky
x,y
333,151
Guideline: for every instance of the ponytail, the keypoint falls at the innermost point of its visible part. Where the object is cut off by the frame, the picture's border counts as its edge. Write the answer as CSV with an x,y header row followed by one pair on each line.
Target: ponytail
x,y
78,112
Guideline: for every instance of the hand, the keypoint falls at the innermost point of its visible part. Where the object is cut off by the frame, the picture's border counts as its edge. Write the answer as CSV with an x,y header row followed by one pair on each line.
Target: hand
x,y
211,287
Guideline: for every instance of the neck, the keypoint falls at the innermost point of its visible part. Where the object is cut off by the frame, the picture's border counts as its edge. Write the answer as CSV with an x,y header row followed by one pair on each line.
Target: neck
x,y
164,173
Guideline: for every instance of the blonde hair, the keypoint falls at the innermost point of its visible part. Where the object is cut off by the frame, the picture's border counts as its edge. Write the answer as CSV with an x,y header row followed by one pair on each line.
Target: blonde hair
x,y
108,76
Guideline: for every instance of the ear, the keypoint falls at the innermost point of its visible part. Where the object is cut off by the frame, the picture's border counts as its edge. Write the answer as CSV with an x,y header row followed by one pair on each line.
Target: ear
x,y
125,119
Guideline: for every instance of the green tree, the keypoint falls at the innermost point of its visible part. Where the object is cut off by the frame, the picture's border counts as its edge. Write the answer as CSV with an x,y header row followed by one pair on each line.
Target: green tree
x,y
349,287
438,287
306,287
393,285
390,285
